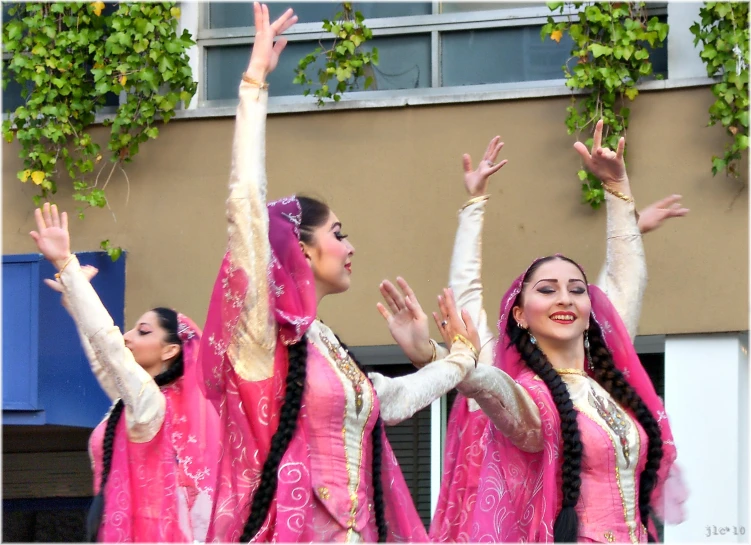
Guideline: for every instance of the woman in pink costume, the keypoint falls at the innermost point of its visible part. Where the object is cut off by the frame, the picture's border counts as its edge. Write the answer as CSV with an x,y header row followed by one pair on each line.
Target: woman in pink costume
x,y
153,469
305,455
530,459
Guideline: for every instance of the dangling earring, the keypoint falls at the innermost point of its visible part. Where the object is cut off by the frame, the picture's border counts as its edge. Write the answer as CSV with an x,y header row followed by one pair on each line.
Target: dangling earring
x,y
532,338
590,364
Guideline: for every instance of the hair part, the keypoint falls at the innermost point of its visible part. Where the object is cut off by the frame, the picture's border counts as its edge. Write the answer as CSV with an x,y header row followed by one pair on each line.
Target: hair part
x,y
313,214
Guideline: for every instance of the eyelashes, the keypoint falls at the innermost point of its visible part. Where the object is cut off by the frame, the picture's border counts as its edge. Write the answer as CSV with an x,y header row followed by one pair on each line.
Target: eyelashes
x,y
340,236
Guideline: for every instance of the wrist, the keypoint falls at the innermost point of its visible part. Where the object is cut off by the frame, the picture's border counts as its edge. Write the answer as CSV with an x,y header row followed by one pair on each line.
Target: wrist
x,y
256,72
427,354
475,200
61,262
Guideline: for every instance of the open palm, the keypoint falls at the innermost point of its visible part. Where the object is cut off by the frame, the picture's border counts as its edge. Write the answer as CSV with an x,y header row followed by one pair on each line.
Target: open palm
x,y
52,237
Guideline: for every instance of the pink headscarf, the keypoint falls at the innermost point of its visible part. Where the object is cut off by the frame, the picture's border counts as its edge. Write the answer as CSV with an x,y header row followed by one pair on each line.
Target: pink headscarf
x,y
519,492
249,411
162,490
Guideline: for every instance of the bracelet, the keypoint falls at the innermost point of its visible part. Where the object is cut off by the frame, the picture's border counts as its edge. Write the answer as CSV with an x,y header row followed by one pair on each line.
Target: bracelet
x,y
432,355
58,273
255,83
474,200
618,194
462,339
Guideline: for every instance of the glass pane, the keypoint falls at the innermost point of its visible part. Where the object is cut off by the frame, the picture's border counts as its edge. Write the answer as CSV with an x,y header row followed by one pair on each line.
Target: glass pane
x,y
501,56
240,14
12,95
454,7
404,64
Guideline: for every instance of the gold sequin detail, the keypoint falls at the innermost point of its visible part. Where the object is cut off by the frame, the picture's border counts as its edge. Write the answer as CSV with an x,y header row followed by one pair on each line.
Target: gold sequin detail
x,y
610,537
616,419
348,368
323,492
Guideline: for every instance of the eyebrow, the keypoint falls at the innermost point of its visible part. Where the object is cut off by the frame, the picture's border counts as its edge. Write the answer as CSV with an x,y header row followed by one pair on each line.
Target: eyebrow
x,y
555,281
337,224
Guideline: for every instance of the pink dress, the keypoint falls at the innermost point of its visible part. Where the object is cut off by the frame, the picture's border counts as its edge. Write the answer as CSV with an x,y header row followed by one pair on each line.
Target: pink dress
x,y
264,301
501,478
165,448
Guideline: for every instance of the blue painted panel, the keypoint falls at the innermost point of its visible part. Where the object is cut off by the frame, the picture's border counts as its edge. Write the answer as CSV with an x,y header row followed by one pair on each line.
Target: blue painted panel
x,y
68,393
20,332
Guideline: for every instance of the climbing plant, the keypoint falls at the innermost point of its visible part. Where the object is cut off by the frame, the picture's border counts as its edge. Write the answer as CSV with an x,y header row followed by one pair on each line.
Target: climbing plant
x,y
609,57
723,33
69,57
346,62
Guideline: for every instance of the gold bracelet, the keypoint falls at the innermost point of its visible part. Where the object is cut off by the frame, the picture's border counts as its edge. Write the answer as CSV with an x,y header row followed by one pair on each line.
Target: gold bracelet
x,y
255,83
618,194
474,200
58,273
432,356
462,339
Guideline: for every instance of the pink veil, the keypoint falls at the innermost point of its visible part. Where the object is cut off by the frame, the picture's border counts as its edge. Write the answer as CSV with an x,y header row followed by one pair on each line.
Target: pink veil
x,y
518,492
180,509
249,411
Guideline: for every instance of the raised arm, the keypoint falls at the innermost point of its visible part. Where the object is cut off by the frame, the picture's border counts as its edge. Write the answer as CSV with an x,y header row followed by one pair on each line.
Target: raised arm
x,y
105,379
144,402
252,347
625,277
613,279
465,273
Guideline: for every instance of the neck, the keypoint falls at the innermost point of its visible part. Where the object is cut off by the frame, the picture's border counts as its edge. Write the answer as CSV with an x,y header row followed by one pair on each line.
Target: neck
x,y
569,355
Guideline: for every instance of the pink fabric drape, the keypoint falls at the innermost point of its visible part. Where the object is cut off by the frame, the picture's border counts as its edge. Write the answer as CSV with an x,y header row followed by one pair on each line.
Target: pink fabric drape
x,y
505,494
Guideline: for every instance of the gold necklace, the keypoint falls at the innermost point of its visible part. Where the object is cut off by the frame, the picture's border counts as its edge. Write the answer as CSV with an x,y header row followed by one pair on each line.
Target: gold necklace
x,y
571,372
348,368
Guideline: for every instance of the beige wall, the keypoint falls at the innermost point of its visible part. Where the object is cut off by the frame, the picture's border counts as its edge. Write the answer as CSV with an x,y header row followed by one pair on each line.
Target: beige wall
x,y
400,207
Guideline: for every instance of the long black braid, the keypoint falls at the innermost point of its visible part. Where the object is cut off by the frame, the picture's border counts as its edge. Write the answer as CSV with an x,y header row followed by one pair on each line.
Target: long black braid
x,y
566,527
290,409
168,321
613,381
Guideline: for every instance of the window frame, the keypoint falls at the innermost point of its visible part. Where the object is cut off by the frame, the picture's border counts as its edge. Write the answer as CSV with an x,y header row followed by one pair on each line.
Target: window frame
x,y
433,24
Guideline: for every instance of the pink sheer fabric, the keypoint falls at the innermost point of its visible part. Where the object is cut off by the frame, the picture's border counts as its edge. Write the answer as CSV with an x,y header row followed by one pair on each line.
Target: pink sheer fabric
x,y
162,490
249,410
519,492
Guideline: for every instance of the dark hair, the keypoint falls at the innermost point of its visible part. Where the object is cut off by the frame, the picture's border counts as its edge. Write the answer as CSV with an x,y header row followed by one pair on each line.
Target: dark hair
x,y
566,527
314,213
167,321
290,409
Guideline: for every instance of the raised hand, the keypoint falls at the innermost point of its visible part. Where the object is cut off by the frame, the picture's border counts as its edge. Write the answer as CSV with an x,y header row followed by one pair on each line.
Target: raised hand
x,y
265,55
407,322
52,237
654,215
607,165
476,181
451,324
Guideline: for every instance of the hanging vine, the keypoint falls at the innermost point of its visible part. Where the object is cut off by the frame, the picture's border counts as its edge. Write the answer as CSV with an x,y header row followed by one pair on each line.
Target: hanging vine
x,y
346,62
609,57
723,32
69,57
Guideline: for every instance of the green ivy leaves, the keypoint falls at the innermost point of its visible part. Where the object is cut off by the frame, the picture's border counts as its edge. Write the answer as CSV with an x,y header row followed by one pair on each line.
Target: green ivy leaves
x,y
609,58
346,63
77,56
724,34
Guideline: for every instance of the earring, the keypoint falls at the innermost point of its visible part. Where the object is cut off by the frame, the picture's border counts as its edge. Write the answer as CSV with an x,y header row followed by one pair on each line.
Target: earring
x,y
532,339
590,363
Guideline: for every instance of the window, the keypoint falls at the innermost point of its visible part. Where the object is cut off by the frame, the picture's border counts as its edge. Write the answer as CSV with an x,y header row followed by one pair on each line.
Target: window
x,y
421,45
